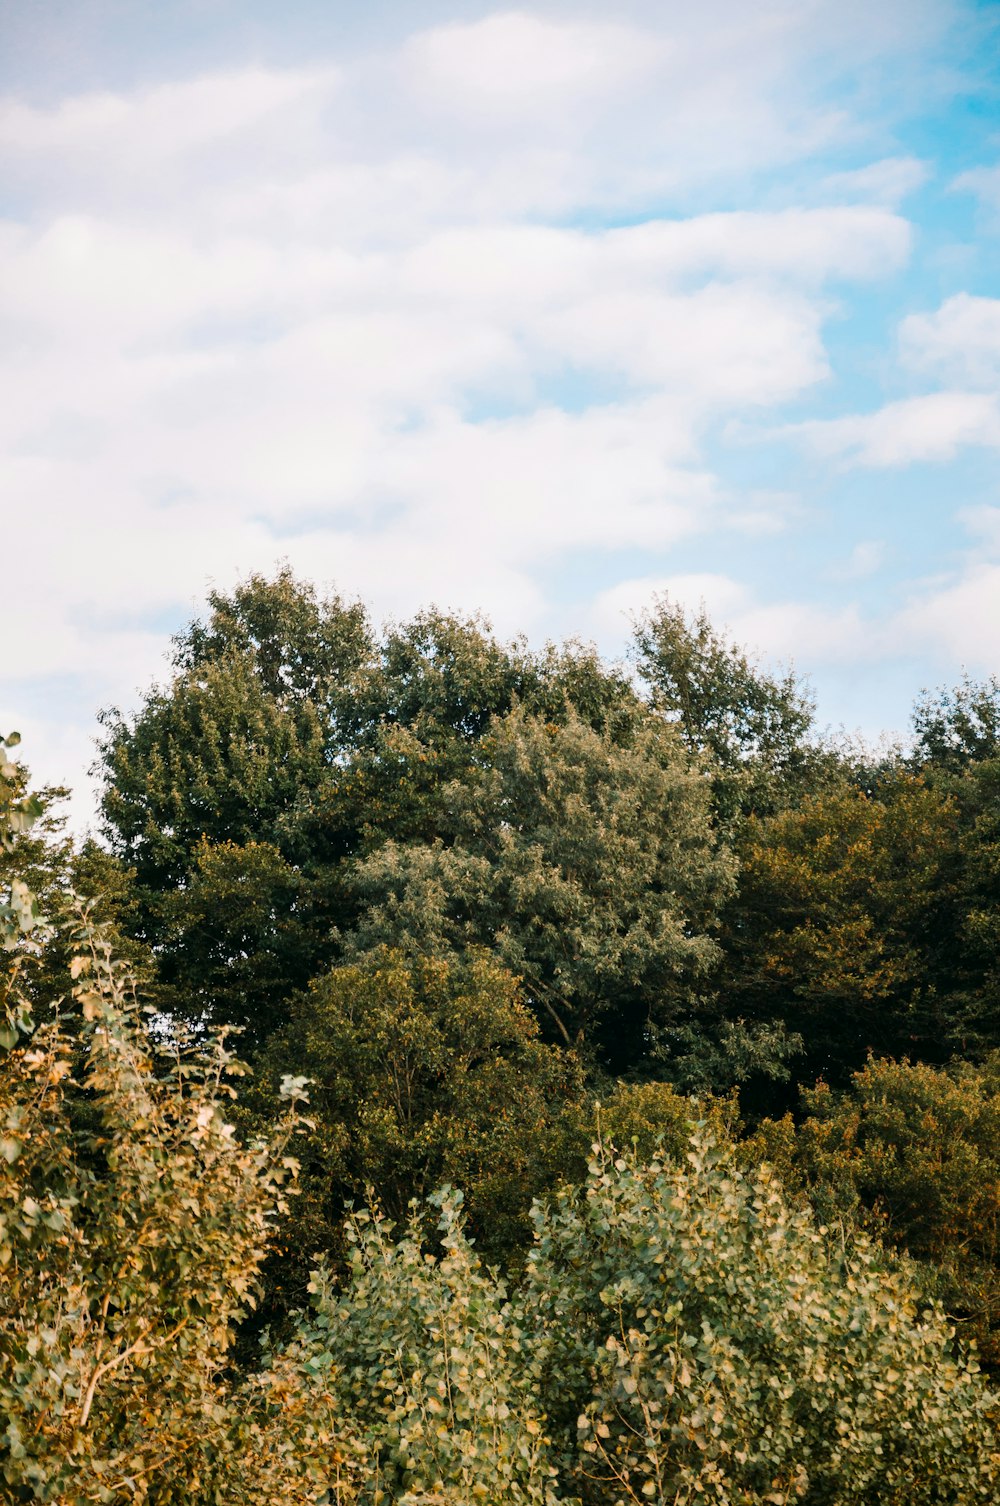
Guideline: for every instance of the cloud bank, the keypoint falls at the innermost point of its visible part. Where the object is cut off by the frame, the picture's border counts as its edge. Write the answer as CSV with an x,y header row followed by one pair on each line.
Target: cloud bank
x,y
436,316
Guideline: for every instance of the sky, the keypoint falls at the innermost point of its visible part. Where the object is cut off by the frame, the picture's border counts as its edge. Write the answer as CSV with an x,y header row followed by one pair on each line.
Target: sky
x,y
534,312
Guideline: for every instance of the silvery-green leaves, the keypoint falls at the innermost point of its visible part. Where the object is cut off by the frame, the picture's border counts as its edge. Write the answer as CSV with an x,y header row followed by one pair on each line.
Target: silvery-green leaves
x,y
697,1339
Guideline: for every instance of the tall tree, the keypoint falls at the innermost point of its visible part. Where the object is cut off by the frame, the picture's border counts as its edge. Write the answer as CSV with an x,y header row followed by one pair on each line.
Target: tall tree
x,y
958,726
41,868
289,742
204,789
957,750
260,704
589,867
753,727
422,1071
841,926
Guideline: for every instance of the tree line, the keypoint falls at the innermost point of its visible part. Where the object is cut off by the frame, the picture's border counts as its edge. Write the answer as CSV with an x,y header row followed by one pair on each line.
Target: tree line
x,y
688,1009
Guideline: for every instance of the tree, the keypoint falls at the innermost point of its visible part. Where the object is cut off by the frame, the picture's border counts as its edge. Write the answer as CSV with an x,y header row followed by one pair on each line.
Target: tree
x,y
913,1153
841,927
132,1228
679,1329
422,1072
259,710
247,929
289,742
589,868
214,757
957,751
419,715
304,648
43,870
957,727
752,727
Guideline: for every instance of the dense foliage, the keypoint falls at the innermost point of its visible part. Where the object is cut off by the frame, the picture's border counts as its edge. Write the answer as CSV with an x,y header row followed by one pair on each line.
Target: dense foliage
x,y
912,1153
423,1071
480,904
699,1340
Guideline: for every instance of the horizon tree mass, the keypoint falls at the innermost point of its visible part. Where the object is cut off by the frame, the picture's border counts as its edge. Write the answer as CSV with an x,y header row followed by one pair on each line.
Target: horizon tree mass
x,y
621,1051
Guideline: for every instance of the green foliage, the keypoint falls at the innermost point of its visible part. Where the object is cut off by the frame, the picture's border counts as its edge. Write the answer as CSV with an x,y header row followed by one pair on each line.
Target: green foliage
x,y
680,1330
972,943
588,867
290,744
245,930
303,649
19,811
653,1120
752,727
958,751
419,714
422,1071
132,1228
698,1339
428,1356
40,868
304,787
958,727
215,756
914,1153
436,873
840,928
43,866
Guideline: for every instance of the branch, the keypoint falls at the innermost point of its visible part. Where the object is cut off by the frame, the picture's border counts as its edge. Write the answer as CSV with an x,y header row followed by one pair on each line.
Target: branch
x,y
134,1348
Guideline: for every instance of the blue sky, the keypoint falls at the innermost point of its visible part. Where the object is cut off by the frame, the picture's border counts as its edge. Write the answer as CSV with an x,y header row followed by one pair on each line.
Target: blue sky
x,y
534,311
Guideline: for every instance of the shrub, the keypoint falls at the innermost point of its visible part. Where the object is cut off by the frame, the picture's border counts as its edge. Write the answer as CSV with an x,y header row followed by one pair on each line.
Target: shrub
x,y
426,1354
698,1340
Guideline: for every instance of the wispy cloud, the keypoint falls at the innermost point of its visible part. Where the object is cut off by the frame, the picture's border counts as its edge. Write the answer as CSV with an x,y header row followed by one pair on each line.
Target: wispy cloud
x,y
959,342
888,182
933,427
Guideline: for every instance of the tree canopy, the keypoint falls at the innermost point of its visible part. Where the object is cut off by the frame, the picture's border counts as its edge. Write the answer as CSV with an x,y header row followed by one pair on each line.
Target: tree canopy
x,y
486,906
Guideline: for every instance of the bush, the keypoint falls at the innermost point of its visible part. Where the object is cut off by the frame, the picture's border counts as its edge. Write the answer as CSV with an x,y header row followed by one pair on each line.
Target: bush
x,y
132,1229
426,1356
699,1340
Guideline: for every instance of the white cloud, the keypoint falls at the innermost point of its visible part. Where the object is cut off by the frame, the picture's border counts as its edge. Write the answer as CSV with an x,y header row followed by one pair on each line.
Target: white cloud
x,y
949,621
289,379
865,559
154,151
958,621
718,346
886,182
929,428
515,70
984,182
619,605
337,312
163,121
514,112
799,246
960,341
807,634
983,523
